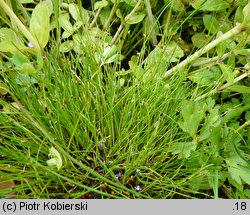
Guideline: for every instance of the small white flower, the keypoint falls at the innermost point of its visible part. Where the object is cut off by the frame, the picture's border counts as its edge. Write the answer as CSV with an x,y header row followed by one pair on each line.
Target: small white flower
x,y
137,172
138,188
30,45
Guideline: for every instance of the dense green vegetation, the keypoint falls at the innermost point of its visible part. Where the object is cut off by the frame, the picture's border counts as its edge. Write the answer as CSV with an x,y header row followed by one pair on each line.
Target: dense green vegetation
x,y
124,99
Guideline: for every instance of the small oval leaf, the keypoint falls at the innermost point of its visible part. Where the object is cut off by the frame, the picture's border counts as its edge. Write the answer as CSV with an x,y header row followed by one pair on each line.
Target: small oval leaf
x,y
211,24
135,18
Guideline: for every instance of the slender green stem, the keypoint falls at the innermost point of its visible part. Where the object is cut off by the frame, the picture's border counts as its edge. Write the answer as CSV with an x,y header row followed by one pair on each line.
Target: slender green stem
x,y
212,92
151,21
65,154
111,15
95,18
213,59
20,25
24,12
120,29
236,30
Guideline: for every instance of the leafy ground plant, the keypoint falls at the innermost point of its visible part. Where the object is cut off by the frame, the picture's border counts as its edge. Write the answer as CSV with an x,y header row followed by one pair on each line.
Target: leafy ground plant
x,y
124,99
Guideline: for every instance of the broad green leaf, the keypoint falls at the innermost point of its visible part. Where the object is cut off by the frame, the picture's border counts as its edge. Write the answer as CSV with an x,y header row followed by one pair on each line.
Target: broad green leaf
x,y
238,17
65,23
19,60
7,34
173,51
109,51
135,18
49,4
227,72
157,60
27,68
9,42
66,34
210,5
131,3
40,24
100,4
9,46
211,24
113,58
177,6
119,14
183,149
74,12
77,25
199,40
78,46
66,46
246,13
78,14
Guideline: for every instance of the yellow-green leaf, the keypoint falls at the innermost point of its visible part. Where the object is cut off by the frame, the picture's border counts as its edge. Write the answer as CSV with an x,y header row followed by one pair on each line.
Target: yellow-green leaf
x,y
211,24
136,18
227,72
40,24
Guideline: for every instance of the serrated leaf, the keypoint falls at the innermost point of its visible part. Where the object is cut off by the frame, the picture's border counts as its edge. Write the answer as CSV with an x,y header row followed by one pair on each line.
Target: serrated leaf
x,y
24,79
212,121
192,113
135,18
183,149
211,24
238,169
40,24
205,77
